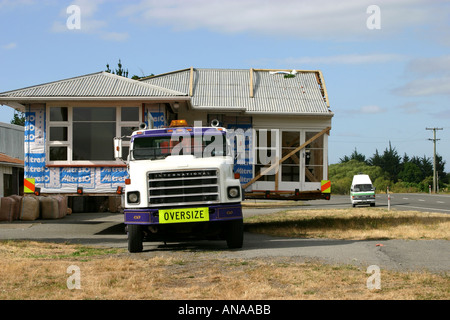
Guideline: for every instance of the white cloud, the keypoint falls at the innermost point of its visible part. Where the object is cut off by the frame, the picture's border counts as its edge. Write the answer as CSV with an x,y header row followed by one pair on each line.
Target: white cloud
x,y
5,4
444,114
363,110
371,109
88,23
320,19
410,107
429,76
344,59
115,36
426,87
430,66
10,46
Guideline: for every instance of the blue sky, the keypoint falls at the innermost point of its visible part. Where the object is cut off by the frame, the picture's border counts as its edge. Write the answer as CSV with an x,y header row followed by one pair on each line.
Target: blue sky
x,y
387,71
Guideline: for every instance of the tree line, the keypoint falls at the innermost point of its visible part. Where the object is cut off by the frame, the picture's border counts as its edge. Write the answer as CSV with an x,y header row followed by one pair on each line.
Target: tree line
x,y
388,168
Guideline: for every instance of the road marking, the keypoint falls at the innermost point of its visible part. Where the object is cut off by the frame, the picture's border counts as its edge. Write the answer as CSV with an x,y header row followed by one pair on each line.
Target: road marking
x,y
440,201
423,208
421,200
405,198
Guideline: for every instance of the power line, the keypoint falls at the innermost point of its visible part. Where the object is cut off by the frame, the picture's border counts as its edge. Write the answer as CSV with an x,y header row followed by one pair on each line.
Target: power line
x,y
434,156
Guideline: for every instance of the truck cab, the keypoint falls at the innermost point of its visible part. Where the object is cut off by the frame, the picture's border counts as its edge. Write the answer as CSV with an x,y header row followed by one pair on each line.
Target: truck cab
x,y
181,185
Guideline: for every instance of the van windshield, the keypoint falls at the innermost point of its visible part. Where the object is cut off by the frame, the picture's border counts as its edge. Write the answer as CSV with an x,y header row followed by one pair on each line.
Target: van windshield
x,y
363,187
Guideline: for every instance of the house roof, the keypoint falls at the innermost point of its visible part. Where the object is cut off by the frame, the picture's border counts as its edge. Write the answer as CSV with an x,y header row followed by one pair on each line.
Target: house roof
x,y
5,159
100,84
262,91
252,91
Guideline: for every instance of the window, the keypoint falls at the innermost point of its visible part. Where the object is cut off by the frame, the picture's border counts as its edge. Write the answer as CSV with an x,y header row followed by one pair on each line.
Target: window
x,y
129,122
266,152
58,134
7,184
86,133
94,130
290,168
313,158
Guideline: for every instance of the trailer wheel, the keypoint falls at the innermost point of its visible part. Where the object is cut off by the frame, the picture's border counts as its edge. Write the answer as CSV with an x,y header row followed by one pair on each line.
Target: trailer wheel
x,y
235,235
135,237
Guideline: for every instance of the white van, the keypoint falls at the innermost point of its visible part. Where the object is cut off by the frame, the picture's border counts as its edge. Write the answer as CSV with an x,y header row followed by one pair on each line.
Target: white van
x,y
362,190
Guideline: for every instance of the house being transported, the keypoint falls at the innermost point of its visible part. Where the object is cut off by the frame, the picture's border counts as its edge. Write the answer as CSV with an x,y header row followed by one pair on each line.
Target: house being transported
x,y
282,119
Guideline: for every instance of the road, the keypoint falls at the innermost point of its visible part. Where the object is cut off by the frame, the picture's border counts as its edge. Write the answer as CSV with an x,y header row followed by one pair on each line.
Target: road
x,y
399,201
107,230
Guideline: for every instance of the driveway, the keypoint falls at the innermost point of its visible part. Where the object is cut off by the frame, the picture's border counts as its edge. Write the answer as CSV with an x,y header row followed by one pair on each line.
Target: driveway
x,y
107,230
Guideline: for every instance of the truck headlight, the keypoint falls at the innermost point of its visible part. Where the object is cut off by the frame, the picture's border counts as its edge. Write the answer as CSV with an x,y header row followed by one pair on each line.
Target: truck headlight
x,y
133,197
233,192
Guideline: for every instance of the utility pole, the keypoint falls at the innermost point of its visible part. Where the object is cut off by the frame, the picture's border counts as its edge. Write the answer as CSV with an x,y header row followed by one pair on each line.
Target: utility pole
x,y
434,157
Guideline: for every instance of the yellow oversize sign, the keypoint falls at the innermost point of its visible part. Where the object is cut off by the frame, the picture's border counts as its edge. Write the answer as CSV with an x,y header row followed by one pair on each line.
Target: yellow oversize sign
x,y
183,215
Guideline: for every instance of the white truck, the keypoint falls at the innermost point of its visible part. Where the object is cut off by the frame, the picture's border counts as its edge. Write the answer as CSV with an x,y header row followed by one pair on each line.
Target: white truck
x,y
362,190
181,185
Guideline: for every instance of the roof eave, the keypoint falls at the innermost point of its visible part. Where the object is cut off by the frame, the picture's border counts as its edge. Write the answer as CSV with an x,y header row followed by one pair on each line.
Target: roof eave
x,y
328,114
220,108
5,100
12,164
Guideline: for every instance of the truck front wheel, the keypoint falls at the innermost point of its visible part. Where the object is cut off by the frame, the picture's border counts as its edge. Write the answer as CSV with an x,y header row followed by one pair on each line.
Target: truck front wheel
x,y
235,234
135,237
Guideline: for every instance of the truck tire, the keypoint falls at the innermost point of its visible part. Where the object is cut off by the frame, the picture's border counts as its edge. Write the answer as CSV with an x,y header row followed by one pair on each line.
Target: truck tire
x,y
135,237
235,235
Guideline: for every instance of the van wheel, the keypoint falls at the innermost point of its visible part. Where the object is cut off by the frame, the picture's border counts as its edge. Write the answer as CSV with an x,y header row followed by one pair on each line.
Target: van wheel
x,y
235,234
135,237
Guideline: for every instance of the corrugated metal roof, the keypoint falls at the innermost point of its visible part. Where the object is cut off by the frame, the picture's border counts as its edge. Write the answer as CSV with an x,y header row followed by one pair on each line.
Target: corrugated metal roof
x,y
220,89
230,89
100,84
177,80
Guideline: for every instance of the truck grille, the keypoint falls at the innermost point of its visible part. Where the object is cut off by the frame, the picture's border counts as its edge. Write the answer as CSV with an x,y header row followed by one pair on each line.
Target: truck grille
x,y
183,187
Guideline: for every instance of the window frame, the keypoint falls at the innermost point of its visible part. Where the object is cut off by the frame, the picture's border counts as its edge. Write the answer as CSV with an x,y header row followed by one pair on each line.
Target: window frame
x,y
312,151
259,167
69,143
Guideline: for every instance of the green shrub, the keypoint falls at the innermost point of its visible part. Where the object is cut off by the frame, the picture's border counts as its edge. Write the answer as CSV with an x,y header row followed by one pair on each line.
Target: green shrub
x,y
341,176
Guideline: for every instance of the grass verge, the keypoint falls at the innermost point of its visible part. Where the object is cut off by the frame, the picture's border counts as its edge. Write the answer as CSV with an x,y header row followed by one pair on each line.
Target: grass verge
x,y
32,270
361,223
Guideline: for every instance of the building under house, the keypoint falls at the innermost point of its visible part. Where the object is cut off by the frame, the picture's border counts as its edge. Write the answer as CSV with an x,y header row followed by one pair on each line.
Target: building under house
x,y
70,125
11,159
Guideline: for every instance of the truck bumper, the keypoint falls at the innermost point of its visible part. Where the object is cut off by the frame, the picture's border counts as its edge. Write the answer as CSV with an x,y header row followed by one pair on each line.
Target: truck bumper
x,y
150,216
363,201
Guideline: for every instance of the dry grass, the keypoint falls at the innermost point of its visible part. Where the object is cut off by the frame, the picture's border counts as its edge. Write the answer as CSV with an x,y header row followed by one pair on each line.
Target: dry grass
x,y
32,270
256,204
361,223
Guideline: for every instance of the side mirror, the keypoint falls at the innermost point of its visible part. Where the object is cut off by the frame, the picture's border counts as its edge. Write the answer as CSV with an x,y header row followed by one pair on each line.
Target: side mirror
x,y
118,148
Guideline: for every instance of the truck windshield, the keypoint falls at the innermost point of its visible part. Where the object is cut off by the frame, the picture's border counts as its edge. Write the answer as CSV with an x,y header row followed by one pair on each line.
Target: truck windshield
x,y
363,187
152,148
